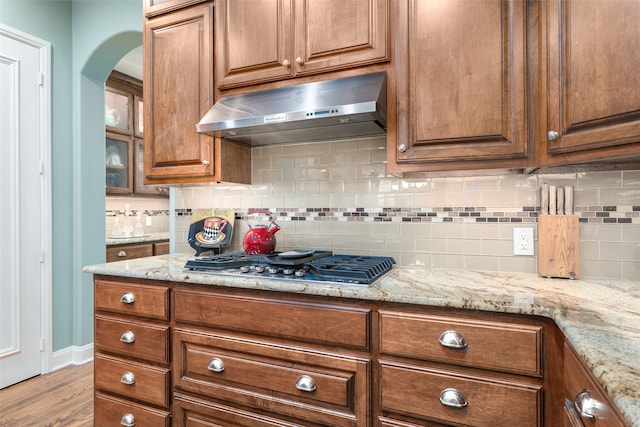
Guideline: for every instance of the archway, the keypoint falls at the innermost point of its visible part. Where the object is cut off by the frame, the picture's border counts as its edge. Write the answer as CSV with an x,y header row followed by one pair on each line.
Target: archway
x,y
89,154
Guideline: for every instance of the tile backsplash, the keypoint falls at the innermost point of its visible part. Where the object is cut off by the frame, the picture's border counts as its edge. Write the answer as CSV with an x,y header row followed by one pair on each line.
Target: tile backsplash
x,y
337,196
157,209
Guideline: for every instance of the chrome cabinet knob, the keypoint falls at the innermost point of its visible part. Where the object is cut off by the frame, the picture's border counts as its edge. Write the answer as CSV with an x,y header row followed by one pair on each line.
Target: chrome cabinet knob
x,y
453,398
128,298
128,378
586,405
128,420
122,254
552,135
206,163
452,339
128,337
299,61
216,365
402,148
306,383
286,63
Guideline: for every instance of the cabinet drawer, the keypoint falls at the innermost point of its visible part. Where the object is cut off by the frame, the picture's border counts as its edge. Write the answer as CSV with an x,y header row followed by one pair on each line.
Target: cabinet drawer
x,y
132,338
193,412
415,391
319,323
150,384
270,376
120,253
144,300
161,248
500,346
578,379
111,411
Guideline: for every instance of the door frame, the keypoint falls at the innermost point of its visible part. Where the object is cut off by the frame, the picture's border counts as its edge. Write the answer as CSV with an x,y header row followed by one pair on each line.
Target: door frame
x,y
44,144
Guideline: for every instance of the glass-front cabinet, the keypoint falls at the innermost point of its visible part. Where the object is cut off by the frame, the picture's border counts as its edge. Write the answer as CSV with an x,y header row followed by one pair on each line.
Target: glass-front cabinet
x,y
124,137
118,165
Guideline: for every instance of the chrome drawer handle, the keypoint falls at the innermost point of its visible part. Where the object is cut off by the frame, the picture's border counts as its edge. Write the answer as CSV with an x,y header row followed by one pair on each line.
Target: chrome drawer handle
x,y
128,378
216,365
128,298
128,337
452,339
586,405
453,398
122,254
306,383
128,420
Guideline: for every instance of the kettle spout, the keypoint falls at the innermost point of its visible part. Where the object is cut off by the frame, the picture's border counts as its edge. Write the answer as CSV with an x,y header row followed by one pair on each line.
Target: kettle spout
x,y
273,228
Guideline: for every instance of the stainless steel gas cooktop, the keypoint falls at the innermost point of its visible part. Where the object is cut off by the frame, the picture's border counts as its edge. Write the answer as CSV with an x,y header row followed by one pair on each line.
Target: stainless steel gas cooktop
x,y
305,264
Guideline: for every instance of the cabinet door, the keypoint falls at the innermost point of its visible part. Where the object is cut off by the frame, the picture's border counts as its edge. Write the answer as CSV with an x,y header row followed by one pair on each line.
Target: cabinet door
x,y
178,91
578,380
118,162
594,78
253,41
332,34
461,78
157,7
139,186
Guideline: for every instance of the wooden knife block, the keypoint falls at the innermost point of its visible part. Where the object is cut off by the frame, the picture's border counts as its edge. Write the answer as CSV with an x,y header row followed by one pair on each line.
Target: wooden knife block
x,y
558,246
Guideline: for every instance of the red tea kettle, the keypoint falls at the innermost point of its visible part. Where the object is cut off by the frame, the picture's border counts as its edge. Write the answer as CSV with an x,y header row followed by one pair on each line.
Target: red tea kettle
x,y
260,239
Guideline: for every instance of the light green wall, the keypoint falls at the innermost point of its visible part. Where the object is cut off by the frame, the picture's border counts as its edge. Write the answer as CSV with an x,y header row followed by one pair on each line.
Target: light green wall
x,y
88,38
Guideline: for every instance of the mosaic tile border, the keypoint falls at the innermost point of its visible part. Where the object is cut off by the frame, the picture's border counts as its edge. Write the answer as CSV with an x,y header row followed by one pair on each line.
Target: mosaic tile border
x,y
623,214
134,212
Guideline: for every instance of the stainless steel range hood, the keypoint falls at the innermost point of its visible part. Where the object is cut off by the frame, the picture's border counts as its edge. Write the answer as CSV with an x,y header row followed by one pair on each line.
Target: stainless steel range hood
x,y
320,111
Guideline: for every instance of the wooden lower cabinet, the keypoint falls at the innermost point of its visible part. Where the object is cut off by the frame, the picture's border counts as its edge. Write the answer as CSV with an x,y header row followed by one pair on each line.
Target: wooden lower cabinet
x,y
132,376
210,356
460,399
293,382
136,250
110,411
586,404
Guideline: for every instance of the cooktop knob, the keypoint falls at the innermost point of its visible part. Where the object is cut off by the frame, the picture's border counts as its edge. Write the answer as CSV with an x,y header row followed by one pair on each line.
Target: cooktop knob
x,y
273,270
260,268
300,273
245,269
288,271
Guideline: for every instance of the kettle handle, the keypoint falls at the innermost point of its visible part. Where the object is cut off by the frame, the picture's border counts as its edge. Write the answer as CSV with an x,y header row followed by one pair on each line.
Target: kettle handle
x,y
259,211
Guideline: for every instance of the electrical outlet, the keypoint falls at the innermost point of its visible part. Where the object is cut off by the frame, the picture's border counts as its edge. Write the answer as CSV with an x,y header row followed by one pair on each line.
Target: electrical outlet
x,y
523,241
148,219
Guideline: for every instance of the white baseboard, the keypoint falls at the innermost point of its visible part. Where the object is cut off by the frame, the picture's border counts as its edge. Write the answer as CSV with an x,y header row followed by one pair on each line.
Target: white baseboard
x,y
73,355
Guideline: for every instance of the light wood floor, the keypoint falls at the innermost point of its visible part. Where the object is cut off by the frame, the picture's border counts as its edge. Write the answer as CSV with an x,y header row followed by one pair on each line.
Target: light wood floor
x,y
60,398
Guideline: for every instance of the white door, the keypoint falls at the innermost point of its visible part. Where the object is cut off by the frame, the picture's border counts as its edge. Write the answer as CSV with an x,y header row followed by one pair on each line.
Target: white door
x,y
24,199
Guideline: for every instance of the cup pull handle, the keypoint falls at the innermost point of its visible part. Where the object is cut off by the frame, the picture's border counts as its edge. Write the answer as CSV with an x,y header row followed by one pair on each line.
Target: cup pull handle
x,y
453,398
128,420
128,298
216,365
306,383
128,378
452,339
128,337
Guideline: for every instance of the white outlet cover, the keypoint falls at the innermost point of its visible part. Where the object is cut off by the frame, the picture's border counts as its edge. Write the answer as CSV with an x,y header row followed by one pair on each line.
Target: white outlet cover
x,y
523,241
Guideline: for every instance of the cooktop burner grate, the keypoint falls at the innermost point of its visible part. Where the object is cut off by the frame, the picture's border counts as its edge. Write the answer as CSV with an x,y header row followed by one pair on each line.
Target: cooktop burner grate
x,y
317,266
351,268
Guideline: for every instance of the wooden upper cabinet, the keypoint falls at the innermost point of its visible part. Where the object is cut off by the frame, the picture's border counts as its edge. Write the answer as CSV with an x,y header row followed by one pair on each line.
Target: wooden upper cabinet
x,y
335,34
461,84
178,91
157,7
253,41
268,40
592,88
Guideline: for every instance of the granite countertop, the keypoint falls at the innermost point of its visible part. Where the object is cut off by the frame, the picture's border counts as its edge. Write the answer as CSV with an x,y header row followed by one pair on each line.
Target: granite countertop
x,y
600,318
151,237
